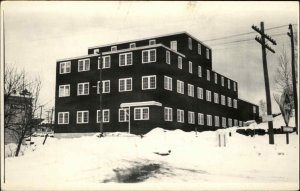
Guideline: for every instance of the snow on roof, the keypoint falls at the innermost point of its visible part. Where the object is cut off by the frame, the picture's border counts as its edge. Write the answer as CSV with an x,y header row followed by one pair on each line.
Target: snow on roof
x,y
143,103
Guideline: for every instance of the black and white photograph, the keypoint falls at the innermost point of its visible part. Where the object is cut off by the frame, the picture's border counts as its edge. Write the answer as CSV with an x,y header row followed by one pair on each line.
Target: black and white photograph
x,y
149,95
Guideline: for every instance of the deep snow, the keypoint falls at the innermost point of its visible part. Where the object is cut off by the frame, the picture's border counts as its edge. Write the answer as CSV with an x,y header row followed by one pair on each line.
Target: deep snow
x,y
196,160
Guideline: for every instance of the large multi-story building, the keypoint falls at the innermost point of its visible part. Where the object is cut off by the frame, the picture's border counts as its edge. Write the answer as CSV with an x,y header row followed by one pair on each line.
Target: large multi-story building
x,y
164,81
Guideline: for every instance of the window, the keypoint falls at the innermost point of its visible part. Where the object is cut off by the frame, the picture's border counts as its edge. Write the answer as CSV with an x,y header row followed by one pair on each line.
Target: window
x,y
236,122
104,116
174,45
125,84
191,90
63,117
82,116
105,86
124,115
83,88
209,120
222,81
149,56
223,122
180,87
216,78
65,67
235,103
168,83
64,90
125,59
113,48
190,44
168,114
207,53
229,122
254,109
200,119
148,82
199,71
234,86
216,97
208,95
217,122
199,49
132,45
168,61
229,103
208,75
180,116
240,123
106,62
152,42
228,82
179,62
191,117
141,113
223,100
190,67
200,93
83,65
96,51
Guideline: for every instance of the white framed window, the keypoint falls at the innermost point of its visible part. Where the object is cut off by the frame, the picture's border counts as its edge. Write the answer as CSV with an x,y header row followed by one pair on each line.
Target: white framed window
x,y
200,119
125,59
191,117
83,88
179,62
190,43
168,83
123,114
207,53
208,95
240,123
174,45
216,78
152,42
105,61
223,122
180,116
82,116
209,120
254,109
200,93
105,115
125,84
63,118
217,121
235,103
113,48
229,122
83,65
228,82
132,45
148,56
65,67
96,51
190,67
234,86
229,103
222,80
105,86
199,71
216,97
64,90
236,123
223,102
141,113
168,114
180,87
168,57
191,90
199,48
149,82
208,75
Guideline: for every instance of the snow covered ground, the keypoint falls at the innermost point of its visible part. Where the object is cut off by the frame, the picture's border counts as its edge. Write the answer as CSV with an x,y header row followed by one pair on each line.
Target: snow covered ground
x,y
194,162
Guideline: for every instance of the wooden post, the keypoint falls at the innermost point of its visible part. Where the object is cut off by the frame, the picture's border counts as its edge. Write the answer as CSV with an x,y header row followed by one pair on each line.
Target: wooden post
x,y
45,139
287,138
219,140
224,140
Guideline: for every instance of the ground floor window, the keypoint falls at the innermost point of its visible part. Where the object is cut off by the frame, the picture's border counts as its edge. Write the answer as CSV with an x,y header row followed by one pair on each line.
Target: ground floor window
x,y
141,113
235,122
209,120
104,116
200,119
82,116
229,122
217,122
191,117
168,114
223,122
124,115
63,117
180,116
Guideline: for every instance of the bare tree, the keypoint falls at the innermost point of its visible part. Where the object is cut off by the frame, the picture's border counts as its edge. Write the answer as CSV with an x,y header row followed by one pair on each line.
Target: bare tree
x,y
21,104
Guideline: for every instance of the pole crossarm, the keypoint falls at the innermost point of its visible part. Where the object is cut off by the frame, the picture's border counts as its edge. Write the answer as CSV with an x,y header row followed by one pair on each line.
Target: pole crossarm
x,y
265,45
264,35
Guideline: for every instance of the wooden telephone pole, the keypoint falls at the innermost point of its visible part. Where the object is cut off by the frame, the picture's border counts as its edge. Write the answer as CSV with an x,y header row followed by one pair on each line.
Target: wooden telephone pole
x,y
264,46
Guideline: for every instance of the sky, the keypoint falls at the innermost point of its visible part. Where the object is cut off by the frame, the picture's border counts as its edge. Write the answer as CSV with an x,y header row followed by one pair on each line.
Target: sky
x,y
39,33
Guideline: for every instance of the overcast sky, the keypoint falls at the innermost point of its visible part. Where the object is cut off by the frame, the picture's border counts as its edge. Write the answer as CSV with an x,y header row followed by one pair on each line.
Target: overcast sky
x,y
39,33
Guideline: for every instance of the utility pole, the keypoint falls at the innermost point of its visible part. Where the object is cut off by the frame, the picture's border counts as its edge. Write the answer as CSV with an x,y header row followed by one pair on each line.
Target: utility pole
x,y
52,109
48,116
291,35
264,45
100,93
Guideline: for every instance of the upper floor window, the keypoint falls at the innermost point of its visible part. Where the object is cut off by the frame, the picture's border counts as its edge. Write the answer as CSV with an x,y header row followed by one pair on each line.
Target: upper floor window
x,y
113,48
132,45
63,117
199,71
148,82
208,75
235,103
168,57
180,116
190,67
124,115
174,45
209,120
229,102
82,116
64,90
200,93
223,122
229,122
83,88
200,119
190,90
83,65
149,56
168,83
208,95
105,86
217,121
190,44
207,53
254,109
125,59
223,100
152,42
104,115
216,78
180,87
191,117
234,86
179,62
96,51
125,84
222,80
216,97
199,48
106,62
65,67
141,113
228,82
168,114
